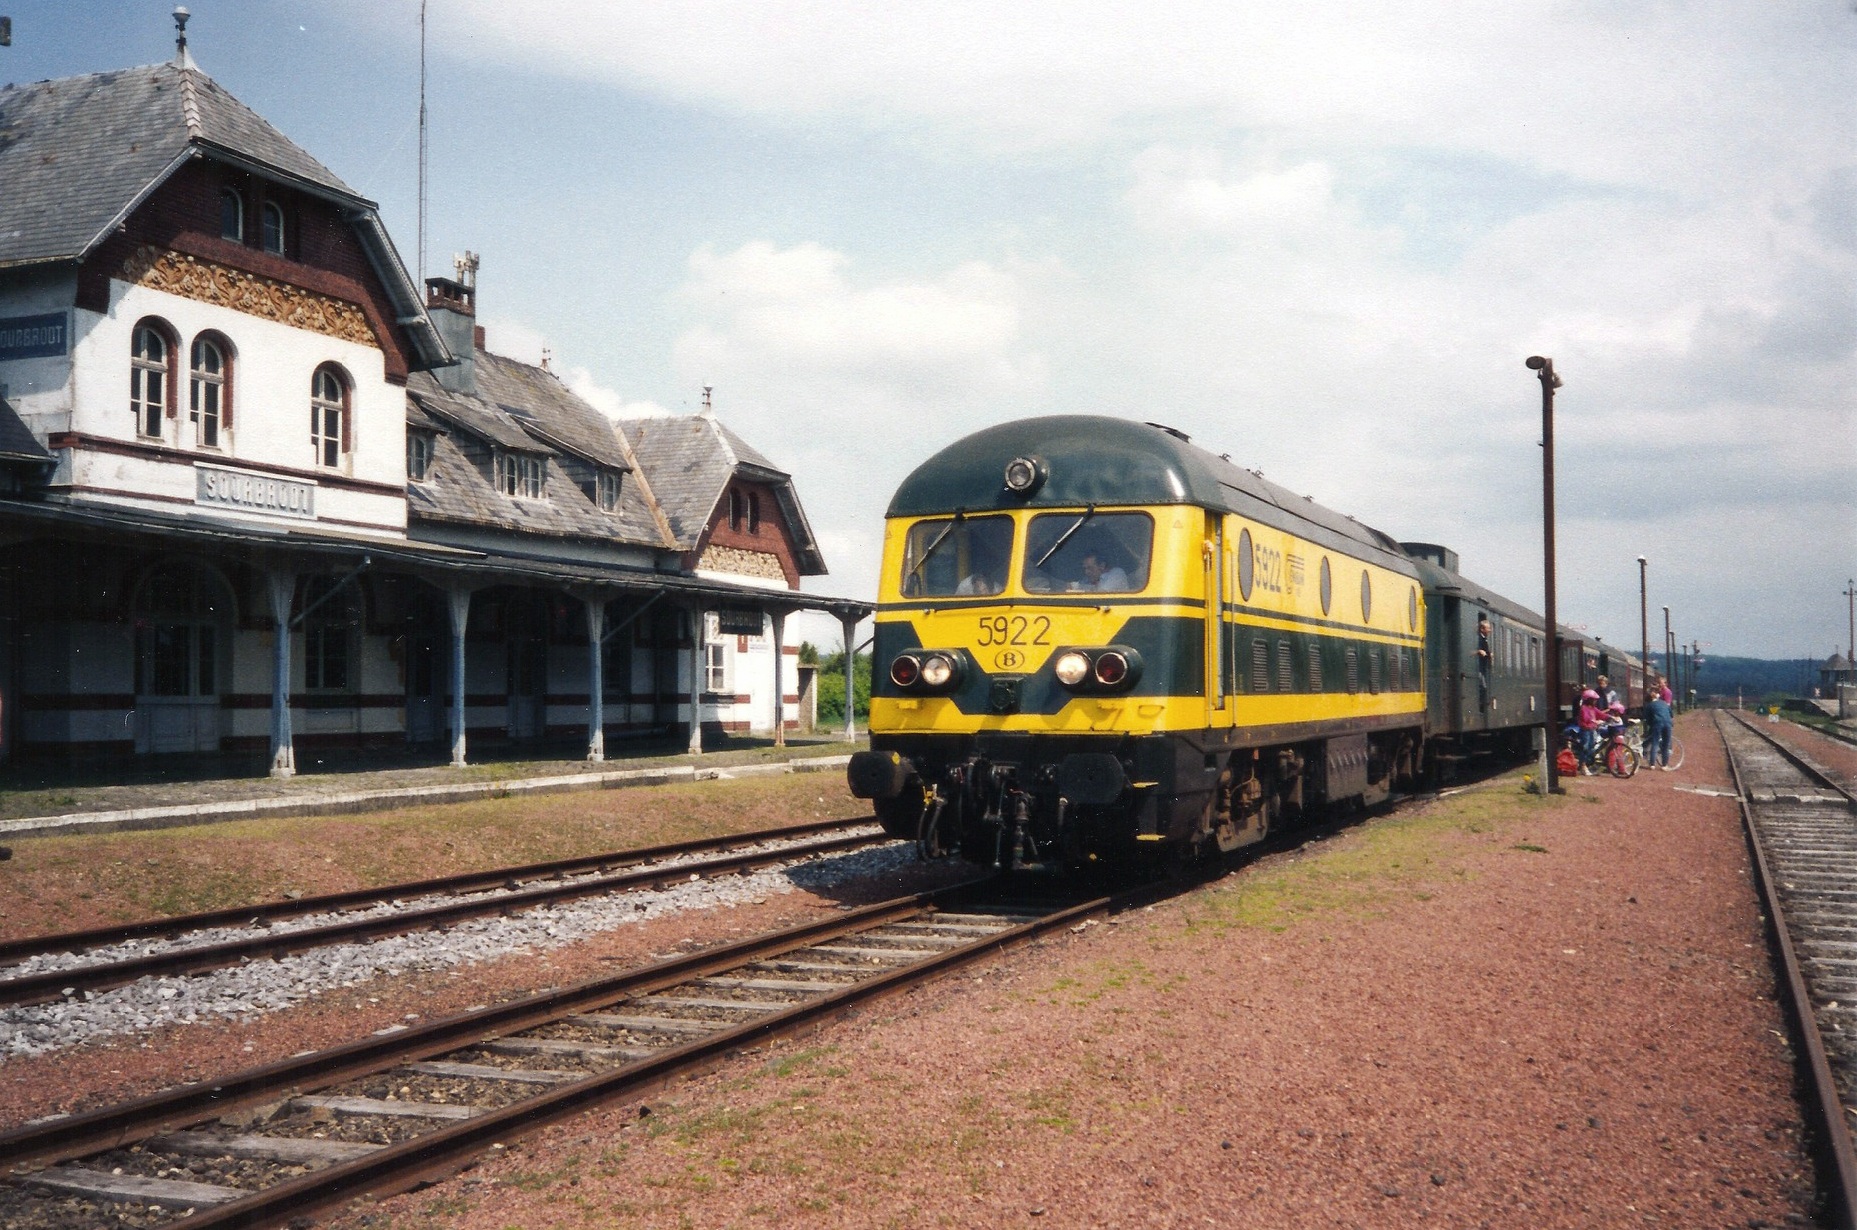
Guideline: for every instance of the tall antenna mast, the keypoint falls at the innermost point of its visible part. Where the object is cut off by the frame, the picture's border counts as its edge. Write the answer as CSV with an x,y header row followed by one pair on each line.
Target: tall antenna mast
x,y
422,144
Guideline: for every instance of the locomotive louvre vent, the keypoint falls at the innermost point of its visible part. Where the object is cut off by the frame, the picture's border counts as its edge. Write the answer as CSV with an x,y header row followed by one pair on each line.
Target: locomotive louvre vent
x,y
1354,670
1286,676
1260,666
1373,671
1315,668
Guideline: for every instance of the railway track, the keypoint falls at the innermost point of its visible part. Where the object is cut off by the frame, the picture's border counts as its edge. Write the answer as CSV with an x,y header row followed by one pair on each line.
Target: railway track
x,y
107,957
1802,832
278,1143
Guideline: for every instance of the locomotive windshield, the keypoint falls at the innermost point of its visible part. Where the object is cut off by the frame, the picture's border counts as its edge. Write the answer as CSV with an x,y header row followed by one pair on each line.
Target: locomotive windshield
x,y
1101,552
958,557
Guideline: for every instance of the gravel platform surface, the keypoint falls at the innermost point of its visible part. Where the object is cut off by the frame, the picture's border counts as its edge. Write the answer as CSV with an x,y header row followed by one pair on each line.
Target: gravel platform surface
x,y
1497,1011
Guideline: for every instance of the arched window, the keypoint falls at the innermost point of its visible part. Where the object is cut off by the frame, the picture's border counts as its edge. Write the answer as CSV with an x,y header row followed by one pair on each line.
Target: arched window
x,y
231,215
735,509
150,375
273,230
329,416
754,513
209,390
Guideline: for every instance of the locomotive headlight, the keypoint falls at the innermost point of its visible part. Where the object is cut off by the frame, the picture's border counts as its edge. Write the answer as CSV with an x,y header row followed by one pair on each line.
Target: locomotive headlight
x,y
937,670
1071,668
905,671
1024,475
1111,668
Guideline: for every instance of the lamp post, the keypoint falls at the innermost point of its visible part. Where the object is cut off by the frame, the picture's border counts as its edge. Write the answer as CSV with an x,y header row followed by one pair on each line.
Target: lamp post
x,y
1644,638
1850,592
1669,658
1544,371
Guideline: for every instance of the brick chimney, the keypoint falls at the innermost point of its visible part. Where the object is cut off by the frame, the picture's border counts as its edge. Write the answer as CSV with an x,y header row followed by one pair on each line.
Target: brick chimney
x,y
452,305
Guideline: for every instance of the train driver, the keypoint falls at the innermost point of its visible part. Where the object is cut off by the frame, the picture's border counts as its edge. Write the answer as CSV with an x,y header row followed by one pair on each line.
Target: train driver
x,y
1108,578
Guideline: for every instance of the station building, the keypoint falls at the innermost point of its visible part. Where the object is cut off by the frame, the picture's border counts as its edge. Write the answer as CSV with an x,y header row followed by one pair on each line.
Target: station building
x,y
259,492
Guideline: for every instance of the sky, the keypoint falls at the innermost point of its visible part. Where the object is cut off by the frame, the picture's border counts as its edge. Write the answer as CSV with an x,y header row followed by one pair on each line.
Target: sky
x,y
1319,237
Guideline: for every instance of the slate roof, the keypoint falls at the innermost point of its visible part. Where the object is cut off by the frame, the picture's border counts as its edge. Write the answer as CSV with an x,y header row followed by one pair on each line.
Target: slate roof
x,y
76,154
17,443
522,408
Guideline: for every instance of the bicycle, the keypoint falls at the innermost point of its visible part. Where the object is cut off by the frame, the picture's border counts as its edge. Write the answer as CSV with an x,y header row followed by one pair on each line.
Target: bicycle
x,y
1615,754
1634,739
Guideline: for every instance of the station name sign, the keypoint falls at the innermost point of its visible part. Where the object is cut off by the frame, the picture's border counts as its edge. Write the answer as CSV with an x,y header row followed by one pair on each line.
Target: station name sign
x,y
735,621
34,337
259,493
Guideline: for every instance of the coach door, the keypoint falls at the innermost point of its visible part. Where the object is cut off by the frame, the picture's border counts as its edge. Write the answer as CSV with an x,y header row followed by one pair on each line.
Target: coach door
x,y
1453,678
1217,570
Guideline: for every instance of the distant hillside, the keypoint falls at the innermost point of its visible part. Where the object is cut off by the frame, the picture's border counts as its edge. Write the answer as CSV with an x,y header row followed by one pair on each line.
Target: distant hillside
x,y
1755,677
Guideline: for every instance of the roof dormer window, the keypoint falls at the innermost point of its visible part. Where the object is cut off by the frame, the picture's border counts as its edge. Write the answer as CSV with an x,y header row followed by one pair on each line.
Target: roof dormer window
x,y
603,489
520,475
231,215
420,446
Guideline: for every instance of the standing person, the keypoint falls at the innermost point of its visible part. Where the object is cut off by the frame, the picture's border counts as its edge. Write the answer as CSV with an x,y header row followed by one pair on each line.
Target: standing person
x,y
1486,661
1590,720
1660,722
1608,695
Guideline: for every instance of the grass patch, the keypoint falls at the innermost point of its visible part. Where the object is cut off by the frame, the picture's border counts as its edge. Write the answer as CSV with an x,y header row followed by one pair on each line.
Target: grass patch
x,y
63,883
1367,869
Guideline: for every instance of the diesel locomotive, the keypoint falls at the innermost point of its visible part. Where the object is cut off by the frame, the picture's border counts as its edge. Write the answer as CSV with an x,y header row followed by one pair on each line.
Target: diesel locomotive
x,y
1098,642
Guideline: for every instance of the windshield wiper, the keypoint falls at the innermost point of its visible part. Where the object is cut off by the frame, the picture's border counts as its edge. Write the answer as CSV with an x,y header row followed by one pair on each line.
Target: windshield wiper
x,y
1063,538
939,539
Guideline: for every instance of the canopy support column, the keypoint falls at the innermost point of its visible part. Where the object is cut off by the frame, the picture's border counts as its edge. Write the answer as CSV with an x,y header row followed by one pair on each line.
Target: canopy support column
x,y
779,621
596,679
281,587
850,624
458,606
696,681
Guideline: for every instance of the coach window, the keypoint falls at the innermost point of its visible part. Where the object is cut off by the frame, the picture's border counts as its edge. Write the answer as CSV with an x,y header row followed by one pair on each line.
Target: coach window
x,y
272,232
209,390
231,215
1327,586
1366,597
1088,551
956,557
329,414
151,377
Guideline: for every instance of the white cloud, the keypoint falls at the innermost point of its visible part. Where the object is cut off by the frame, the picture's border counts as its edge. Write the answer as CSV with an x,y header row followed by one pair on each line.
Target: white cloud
x,y
1320,237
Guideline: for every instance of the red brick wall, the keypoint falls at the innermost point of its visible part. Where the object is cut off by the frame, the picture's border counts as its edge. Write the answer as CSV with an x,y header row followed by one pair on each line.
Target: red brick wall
x,y
321,251
773,537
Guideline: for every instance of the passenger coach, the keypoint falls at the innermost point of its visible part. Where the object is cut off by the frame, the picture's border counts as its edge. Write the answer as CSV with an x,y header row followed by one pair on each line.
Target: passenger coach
x,y
1097,641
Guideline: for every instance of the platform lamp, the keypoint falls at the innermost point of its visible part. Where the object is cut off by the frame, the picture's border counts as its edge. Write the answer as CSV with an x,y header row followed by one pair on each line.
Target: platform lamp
x,y
1544,371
